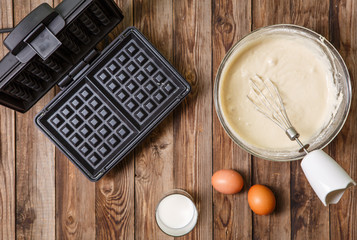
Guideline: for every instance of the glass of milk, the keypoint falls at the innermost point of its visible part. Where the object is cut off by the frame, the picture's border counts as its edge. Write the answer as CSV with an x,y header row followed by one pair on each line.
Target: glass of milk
x,y
176,213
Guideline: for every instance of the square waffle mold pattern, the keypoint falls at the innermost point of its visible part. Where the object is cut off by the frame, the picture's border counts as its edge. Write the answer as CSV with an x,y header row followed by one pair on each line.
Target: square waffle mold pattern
x,y
103,115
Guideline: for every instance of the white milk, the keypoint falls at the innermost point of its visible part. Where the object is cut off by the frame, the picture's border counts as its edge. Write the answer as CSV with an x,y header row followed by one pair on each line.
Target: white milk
x,y
176,214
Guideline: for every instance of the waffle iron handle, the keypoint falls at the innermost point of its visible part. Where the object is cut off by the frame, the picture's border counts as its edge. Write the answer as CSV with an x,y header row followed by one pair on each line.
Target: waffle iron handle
x,y
35,34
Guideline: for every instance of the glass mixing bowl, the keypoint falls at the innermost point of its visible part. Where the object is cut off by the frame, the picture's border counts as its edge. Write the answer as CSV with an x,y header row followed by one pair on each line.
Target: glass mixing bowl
x,y
341,79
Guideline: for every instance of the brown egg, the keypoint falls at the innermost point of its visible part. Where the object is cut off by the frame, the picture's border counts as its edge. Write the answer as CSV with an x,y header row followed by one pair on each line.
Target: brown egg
x,y
261,199
227,181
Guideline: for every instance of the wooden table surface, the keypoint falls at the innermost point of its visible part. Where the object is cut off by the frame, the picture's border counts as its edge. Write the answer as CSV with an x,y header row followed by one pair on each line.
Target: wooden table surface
x,y
43,196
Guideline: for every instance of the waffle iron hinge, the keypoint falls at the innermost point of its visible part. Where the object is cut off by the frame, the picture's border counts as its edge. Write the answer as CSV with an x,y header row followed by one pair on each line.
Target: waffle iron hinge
x,y
79,69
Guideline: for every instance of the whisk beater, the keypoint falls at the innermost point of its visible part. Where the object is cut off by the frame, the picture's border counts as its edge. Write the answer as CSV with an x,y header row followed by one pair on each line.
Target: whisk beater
x,y
328,179
267,100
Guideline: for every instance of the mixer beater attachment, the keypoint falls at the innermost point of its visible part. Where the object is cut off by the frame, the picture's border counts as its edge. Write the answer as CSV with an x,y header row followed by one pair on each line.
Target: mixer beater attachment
x,y
267,100
328,179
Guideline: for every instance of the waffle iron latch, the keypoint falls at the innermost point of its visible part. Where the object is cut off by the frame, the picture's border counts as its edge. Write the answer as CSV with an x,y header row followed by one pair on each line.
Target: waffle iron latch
x,y
79,69
36,34
45,43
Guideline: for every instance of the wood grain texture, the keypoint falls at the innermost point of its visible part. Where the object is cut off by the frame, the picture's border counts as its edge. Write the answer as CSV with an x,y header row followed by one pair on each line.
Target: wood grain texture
x,y
154,156
275,175
193,119
75,201
35,164
114,205
343,32
309,217
7,146
44,196
153,178
115,202
7,174
35,178
231,21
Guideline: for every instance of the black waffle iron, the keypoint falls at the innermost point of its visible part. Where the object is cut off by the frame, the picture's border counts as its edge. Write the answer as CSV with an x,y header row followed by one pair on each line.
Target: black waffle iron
x,y
109,100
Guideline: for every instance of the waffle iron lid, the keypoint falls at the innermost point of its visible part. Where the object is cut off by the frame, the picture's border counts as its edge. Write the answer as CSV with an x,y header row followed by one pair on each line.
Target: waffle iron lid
x,y
48,44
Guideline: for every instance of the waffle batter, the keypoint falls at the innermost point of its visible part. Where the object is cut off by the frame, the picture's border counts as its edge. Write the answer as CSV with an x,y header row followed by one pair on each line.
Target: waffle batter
x,y
303,76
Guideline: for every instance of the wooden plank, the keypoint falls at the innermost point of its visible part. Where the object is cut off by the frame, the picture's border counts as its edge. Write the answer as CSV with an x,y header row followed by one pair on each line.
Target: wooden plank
x,y
75,198
114,203
35,178
75,201
275,175
193,119
343,32
309,217
154,157
35,165
232,217
7,145
7,173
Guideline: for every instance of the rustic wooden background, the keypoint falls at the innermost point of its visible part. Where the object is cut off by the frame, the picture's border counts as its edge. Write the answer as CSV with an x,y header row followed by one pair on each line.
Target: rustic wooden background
x,y
43,196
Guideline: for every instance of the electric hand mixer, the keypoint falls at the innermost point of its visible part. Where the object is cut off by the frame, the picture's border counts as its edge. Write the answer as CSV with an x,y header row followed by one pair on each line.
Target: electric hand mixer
x,y
328,179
